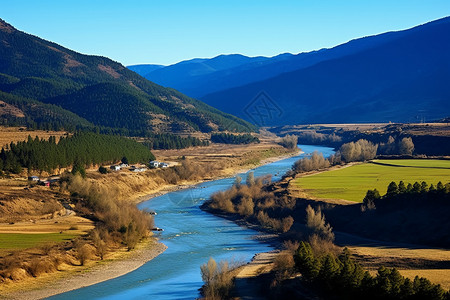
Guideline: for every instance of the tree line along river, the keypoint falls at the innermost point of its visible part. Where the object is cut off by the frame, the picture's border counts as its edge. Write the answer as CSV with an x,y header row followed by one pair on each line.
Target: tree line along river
x,y
192,237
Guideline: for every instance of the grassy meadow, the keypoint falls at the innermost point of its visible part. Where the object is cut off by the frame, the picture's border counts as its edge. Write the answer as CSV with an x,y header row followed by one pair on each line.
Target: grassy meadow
x,y
352,183
18,241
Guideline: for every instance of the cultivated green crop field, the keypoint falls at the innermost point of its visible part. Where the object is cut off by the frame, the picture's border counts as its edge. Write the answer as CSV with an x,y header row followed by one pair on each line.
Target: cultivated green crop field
x,y
353,182
425,163
16,241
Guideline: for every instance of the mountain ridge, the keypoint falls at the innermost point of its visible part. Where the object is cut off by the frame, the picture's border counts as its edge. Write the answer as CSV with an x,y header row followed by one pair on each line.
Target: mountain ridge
x,y
200,86
394,81
31,67
225,90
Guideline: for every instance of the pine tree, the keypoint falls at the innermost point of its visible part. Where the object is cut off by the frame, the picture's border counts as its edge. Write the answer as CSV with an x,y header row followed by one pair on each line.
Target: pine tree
x,y
401,187
392,189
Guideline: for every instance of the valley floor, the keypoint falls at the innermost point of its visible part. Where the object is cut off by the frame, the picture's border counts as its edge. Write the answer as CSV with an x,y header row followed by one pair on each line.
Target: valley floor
x,y
411,260
136,187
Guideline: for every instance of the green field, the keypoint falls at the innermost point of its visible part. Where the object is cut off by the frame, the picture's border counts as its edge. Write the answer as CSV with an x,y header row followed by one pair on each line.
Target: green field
x,y
353,182
17,241
423,163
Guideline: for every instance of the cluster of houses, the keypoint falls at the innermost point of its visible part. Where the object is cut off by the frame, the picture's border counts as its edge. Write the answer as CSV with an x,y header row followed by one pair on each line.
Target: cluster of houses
x,y
156,164
118,167
153,164
132,168
137,169
52,180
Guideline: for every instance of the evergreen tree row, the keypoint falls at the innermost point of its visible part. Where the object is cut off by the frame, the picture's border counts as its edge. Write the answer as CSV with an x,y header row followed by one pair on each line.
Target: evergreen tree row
x,y
171,141
408,195
228,138
343,278
83,148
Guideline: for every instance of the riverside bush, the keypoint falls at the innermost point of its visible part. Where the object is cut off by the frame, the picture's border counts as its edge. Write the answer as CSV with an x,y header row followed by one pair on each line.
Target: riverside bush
x,y
218,279
112,212
252,202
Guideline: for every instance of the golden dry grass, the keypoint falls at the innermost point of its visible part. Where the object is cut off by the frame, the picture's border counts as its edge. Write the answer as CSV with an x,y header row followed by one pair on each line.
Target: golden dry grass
x,y
384,255
224,160
116,263
19,134
72,223
229,158
215,150
438,276
382,252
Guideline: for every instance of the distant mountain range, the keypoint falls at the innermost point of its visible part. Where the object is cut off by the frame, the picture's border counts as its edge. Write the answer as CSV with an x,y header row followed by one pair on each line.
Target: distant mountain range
x,y
396,76
198,77
45,85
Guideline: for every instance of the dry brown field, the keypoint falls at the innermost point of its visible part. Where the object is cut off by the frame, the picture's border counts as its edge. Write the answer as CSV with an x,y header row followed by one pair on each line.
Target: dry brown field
x,y
19,134
410,260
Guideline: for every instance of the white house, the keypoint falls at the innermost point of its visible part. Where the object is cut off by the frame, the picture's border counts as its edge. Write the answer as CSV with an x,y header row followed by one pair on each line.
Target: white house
x,y
115,168
154,164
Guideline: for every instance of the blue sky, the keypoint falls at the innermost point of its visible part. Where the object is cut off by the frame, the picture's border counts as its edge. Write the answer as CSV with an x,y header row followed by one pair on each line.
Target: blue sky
x,y
168,31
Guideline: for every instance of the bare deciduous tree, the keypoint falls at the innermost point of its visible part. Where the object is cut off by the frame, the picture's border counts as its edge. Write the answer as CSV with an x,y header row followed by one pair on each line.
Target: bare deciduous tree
x,y
406,146
315,220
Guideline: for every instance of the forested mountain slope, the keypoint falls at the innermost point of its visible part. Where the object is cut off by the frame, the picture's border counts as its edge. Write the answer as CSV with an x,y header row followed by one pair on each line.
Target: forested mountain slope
x,y
98,90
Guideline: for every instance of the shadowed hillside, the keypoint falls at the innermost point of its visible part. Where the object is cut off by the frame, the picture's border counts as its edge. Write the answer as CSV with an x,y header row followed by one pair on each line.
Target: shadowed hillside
x,y
398,80
97,89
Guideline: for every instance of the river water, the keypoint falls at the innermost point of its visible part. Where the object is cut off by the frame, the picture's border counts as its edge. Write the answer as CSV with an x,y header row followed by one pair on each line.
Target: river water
x,y
192,237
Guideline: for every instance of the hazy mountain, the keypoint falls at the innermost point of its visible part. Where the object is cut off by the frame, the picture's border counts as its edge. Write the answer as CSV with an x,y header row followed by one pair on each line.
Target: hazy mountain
x,y
92,90
199,77
144,69
398,76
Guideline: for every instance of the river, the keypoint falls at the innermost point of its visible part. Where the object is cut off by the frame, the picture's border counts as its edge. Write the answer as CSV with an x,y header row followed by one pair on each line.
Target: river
x,y
192,237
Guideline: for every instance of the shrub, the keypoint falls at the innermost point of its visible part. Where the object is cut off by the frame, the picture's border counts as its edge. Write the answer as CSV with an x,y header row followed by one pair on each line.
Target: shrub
x,y
315,221
361,150
84,252
313,163
406,146
117,215
245,208
100,239
286,224
38,266
218,279
289,141
103,170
